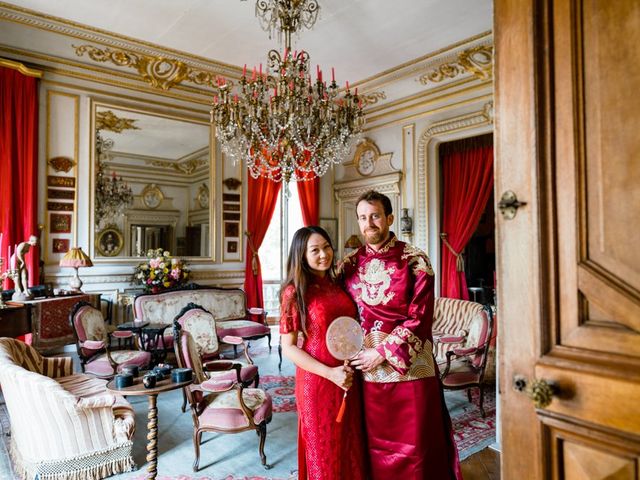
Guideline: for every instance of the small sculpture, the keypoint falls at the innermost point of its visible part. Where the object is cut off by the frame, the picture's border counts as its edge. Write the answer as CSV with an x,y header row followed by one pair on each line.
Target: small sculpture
x,y
21,278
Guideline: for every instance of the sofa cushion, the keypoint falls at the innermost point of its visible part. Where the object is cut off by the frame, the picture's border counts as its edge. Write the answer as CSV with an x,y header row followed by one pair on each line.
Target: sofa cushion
x,y
241,328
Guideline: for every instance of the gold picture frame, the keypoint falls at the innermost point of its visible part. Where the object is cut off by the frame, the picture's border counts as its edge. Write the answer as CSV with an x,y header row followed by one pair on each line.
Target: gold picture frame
x,y
109,242
152,196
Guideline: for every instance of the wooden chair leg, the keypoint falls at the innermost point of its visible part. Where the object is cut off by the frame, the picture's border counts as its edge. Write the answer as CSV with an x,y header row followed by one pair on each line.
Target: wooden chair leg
x,y
197,436
269,336
262,432
184,401
481,400
469,394
280,357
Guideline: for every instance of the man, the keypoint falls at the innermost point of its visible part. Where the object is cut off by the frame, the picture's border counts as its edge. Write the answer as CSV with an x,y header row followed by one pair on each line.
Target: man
x,y
408,426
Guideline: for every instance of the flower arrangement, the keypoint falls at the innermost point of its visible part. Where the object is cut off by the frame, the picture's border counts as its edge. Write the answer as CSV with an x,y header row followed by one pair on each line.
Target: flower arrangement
x,y
160,271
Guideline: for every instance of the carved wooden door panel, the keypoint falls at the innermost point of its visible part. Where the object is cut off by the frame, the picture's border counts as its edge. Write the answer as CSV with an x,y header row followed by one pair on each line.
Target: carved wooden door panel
x,y
568,144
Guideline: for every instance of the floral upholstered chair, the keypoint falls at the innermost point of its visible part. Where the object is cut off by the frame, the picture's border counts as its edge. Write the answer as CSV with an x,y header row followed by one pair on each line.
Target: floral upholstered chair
x,y
202,327
467,360
93,343
220,404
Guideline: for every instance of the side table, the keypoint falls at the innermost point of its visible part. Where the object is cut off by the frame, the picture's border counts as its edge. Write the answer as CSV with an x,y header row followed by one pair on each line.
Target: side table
x,y
138,388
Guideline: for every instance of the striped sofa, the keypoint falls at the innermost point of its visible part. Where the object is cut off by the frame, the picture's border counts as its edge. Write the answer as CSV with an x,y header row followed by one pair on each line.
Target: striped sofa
x,y
63,425
452,318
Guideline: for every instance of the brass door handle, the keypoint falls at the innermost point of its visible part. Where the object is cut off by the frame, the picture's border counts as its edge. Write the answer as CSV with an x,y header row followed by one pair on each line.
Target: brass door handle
x,y
509,204
539,391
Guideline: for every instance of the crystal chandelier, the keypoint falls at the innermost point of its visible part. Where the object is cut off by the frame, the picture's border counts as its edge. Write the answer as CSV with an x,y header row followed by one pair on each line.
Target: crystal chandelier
x,y
113,195
281,123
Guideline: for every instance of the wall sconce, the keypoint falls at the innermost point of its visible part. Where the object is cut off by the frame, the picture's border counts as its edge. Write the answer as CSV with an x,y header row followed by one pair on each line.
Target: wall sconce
x,y
406,222
353,242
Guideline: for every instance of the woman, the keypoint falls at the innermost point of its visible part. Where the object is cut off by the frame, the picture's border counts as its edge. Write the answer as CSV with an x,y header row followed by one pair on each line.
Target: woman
x,y
310,301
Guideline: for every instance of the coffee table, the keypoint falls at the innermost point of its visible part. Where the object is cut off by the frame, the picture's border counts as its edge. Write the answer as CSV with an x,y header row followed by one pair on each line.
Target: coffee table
x,y
138,388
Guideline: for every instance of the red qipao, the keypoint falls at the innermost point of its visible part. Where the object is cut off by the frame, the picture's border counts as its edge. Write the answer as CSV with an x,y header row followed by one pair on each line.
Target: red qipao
x,y
326,450
408,426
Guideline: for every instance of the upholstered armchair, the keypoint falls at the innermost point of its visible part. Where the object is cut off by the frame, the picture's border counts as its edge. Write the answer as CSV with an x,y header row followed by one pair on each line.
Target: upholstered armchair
x,y
467,359
220,404
202,327
93,343
63,425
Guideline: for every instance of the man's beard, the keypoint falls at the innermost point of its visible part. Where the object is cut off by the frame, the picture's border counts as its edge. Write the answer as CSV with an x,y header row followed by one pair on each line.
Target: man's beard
x,y
374,237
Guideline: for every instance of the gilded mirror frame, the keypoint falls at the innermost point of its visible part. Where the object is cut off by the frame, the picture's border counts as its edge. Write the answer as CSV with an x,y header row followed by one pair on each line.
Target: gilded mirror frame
x,y
183,115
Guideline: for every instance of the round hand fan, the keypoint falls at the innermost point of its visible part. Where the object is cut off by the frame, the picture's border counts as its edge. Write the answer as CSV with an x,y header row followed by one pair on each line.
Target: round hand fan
x,y
344,340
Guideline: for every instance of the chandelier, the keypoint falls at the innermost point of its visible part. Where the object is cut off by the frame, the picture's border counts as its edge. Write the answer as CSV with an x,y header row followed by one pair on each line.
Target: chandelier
x,y
281,123
113,195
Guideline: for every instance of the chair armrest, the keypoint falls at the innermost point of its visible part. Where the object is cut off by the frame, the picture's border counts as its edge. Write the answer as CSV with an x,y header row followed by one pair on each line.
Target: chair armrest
x,y
450,339
461,352
256,311
122,334
93,344
232,340
105,400
54,367
218,365
216,386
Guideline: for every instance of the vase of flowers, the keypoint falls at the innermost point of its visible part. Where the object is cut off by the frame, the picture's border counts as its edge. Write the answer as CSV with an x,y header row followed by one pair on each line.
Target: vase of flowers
x,y
160,271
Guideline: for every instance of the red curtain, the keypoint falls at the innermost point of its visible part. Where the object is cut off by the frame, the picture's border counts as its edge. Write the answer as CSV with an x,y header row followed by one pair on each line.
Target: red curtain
x,y
262,195
467,177
19,165
308,191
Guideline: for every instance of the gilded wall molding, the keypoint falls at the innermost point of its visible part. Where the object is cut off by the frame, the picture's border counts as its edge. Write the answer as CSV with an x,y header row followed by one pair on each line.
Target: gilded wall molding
x,y
187,167
21,67
447,126
372,98
32,18
477,61
160,72
108,120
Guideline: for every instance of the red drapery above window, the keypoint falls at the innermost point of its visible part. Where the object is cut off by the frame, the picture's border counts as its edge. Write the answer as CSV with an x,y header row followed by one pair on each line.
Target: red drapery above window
x,y
262,195
308,192
19,164
467,177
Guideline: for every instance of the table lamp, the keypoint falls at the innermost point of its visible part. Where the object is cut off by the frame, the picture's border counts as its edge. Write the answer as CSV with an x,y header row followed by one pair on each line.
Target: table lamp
x,y
75,258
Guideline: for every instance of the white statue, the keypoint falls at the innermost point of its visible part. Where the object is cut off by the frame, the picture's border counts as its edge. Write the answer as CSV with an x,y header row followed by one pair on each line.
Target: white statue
x,y
21,280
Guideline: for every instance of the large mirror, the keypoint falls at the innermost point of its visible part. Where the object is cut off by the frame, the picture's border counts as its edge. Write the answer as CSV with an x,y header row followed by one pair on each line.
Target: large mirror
x,y
152,186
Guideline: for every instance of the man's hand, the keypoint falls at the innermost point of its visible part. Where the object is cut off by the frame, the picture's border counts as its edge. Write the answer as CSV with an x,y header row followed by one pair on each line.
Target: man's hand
x,y
367,359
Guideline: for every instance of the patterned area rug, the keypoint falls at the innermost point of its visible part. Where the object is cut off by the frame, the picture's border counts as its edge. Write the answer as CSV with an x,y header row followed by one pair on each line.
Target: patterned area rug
x,y
472,432
229,477
282,391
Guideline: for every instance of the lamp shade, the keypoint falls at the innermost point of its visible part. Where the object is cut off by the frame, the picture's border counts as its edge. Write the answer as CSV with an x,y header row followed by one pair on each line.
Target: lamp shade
x,y
75,257
353,242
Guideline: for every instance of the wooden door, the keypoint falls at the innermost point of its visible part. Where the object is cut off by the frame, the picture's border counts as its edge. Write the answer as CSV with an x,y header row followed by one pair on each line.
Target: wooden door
x,y
568,144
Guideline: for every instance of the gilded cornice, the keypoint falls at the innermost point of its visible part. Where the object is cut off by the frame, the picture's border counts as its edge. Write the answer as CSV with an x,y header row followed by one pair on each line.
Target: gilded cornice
x,y
477,61
158,71
50,23
372,98
187,167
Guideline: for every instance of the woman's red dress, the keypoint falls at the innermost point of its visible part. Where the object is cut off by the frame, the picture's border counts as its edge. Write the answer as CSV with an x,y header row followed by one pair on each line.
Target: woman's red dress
x,y
327,450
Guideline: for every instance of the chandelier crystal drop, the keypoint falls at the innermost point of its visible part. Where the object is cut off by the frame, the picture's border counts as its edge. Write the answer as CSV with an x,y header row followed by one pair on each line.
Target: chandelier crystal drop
x,y
281,123
113,196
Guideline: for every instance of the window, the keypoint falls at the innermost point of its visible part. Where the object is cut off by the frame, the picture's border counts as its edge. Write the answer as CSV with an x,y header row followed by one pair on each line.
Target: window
x,y
286,220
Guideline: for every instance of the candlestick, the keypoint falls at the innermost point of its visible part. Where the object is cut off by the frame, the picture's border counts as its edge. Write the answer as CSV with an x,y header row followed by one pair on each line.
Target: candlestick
x,y
333,74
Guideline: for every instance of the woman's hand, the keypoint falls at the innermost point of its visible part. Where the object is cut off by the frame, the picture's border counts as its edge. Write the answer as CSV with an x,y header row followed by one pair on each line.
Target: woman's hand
x,y
342,376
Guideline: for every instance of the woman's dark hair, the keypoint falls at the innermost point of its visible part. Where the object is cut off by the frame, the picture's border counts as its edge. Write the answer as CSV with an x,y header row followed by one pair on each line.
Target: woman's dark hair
x,y
298,271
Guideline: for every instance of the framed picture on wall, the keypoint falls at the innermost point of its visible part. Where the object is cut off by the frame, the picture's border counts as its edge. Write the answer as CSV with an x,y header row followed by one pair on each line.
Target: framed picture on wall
x,y
109,242
331,227
60,223
60,245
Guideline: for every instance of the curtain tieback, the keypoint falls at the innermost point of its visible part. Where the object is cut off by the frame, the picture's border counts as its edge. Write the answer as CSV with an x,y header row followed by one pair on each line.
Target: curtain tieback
x,y
459,257
254,252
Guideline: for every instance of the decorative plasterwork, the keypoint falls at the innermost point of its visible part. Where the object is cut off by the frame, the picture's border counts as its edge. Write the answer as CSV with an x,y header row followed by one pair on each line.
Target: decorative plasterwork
x,y
448,126
160,72
187,167
107,120
372,98
477,61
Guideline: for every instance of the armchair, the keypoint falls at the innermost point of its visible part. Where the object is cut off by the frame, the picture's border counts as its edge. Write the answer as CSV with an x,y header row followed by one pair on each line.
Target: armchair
x,y
202,327
466,363
220,405
63,425
93,343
